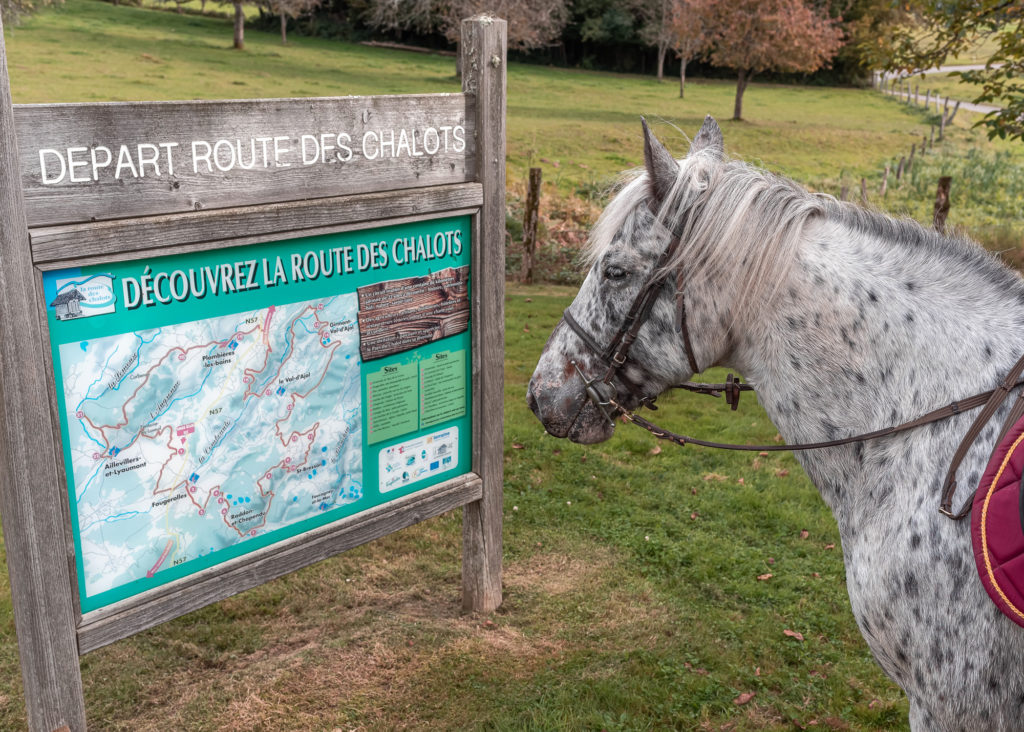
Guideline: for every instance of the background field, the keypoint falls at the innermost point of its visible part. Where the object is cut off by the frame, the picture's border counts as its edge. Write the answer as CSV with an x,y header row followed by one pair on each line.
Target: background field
x,y
645,588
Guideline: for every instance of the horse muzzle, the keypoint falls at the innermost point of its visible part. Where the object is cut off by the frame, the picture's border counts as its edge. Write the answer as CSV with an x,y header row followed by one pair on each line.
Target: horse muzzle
x,y
579,410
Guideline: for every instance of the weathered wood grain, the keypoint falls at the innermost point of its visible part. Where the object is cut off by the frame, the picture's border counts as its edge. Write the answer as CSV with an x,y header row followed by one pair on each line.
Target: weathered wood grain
x,y
30,487
216,154
150,233
483,74
109,624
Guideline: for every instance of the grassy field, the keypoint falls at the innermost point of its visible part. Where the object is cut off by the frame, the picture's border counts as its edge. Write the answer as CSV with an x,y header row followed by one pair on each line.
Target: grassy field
x,y
644,588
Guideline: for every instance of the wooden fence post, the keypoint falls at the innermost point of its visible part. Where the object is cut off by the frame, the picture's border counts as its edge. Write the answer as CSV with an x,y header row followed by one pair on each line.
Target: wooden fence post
x,y
931,138
844,192
941,204
38,555
483,74
899,169
863,192
885,181
530,216
953,113
917,93
927,98
910,160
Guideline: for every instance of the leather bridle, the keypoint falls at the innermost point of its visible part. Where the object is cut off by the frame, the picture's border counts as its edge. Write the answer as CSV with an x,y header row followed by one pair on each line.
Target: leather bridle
x,y
602,393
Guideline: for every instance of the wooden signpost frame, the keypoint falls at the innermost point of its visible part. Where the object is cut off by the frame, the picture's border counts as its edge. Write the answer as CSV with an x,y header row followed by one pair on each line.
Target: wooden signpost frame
x,y
47,228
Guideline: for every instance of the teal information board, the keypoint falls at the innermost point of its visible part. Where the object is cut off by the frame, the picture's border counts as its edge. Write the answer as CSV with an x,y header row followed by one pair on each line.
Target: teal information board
x,y
214,403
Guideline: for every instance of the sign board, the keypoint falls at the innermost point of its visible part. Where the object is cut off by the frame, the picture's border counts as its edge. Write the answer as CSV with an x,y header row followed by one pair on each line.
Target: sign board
x,y
270,331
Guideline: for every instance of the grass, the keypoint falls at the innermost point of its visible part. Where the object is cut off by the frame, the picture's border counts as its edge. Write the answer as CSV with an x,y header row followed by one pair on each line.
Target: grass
x,y
633,597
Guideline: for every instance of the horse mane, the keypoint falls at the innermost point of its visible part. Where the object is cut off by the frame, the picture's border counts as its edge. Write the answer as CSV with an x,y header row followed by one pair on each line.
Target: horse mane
x,y
742,225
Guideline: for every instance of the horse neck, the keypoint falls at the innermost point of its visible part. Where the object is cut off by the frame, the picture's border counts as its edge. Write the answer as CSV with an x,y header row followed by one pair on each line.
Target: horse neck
x,y
867,332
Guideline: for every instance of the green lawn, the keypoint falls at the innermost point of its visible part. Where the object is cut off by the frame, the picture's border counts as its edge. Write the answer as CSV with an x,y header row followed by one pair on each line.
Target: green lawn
x,y
633,597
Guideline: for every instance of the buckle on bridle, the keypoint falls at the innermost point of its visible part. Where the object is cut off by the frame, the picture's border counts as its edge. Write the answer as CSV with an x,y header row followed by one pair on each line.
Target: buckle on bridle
x,y
600,393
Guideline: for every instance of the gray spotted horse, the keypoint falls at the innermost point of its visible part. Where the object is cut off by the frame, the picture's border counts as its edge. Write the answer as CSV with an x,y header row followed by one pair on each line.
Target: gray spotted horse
x,y
845,321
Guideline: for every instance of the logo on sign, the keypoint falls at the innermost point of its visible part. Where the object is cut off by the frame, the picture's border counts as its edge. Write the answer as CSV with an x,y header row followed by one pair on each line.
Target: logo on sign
x,y
83,298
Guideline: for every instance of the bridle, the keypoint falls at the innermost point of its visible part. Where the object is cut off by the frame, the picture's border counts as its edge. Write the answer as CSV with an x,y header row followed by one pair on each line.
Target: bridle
x,y
602,393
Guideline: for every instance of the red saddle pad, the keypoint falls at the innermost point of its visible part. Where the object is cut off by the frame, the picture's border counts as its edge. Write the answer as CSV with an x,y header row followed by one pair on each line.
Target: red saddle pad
x,y
997,526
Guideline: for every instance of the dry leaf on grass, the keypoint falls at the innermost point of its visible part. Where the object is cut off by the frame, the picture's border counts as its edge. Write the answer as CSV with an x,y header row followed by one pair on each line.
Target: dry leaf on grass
x,y
518,446
744,698
804,533
793,634
656,450
764,577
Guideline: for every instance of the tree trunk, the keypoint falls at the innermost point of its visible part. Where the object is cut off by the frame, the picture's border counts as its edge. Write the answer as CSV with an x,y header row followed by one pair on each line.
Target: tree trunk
x,y
682,76
530,217
239,26
742,80
284,29
202,7
662,50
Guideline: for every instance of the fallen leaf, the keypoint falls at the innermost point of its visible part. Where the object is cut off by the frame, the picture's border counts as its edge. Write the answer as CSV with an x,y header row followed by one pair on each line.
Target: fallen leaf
x,y
872,703
529,299
764,577
556,452
804,533
715,476
781,473
700,671
518,446
740,481
526,328
756,464
693,491
830,546
744,698
778,438
763,454
757,671
656,450
793,634
693,516
816,575
770,560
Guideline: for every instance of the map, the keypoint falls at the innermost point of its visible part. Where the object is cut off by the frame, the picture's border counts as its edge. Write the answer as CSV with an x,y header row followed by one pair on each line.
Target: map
x,y
189,439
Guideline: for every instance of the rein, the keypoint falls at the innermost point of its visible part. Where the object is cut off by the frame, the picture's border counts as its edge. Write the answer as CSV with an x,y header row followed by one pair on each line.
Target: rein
x,y
601,391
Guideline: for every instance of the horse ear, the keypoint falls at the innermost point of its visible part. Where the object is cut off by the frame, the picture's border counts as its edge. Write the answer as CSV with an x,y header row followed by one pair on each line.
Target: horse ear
x,y
662,168
709,138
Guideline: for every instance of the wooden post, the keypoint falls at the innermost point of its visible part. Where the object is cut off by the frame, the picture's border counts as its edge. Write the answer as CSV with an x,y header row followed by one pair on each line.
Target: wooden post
x,y
953,113
483,74
899,169
863,192
844,193
530,216
931,138
927,98
941,204
924,144
885,181
910,160
917,93
38,552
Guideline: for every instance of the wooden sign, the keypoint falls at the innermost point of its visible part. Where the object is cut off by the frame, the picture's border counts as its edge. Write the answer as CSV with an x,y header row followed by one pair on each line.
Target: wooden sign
x,y
269,331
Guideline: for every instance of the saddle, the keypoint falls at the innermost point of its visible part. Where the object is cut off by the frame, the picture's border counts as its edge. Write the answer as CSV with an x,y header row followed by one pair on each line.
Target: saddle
x,y
997,525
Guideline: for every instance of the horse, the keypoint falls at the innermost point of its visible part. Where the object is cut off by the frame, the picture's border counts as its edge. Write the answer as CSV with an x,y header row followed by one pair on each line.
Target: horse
x,y
845,321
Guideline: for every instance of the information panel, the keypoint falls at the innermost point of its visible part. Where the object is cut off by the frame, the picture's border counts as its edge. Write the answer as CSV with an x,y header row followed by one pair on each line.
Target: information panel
x,y
217,402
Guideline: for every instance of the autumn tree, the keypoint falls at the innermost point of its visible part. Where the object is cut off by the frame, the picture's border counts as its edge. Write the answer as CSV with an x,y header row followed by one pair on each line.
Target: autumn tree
x,y
11,11
935,30
689,31
752,36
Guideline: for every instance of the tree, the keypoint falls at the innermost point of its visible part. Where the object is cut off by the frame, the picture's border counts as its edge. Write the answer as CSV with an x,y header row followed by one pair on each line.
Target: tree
x,y
934,30
752,36
290,9
531,23
689,29
656,27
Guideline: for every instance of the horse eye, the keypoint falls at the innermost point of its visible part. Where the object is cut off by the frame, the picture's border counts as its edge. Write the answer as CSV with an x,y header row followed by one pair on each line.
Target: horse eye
x,y
612,272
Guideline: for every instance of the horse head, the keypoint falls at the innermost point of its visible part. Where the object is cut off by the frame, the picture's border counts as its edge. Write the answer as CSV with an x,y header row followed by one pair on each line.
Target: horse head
x,y
640,249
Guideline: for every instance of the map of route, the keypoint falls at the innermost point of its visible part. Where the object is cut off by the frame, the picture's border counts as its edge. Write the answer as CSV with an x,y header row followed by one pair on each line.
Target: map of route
x,y
189,439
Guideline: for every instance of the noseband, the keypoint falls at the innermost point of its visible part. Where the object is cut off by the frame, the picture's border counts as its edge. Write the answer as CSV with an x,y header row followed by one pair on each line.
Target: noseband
x,y
602,393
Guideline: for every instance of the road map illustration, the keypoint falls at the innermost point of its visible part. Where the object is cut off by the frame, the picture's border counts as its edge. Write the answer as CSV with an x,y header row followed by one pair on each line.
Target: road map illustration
x,y
188,439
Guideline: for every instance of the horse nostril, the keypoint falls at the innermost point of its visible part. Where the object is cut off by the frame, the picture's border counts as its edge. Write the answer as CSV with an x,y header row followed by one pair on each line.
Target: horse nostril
x,y
531,401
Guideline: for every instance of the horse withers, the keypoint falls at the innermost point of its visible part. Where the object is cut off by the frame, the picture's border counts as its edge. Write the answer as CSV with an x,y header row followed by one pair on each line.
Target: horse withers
x,y
845,321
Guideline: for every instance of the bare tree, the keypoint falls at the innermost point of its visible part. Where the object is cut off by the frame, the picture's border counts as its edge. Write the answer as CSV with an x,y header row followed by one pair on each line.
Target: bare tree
x,y
656,27
285,9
